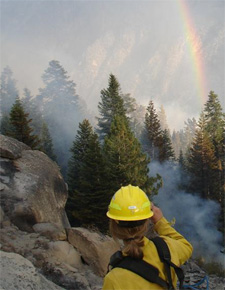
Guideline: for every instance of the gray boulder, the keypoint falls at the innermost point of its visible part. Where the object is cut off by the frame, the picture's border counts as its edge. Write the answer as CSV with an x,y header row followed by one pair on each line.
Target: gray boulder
x,y
51,231
19,273
32,187
95,249
11,149
65,253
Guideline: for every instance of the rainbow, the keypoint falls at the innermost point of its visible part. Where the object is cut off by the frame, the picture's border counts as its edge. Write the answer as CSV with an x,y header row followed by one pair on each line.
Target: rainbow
x,y
195,48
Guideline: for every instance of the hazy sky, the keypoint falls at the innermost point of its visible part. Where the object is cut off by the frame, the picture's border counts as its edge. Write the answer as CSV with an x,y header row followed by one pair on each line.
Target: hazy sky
x,y
142,42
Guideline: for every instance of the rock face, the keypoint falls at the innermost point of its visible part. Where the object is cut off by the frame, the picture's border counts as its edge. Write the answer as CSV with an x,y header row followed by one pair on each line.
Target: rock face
x,y
19,273
94,248
57,260
33,224
32,187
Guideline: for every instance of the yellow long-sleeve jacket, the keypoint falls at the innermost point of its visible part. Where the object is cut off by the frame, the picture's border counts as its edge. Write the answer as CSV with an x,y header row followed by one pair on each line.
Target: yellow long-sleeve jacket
x,y
180,250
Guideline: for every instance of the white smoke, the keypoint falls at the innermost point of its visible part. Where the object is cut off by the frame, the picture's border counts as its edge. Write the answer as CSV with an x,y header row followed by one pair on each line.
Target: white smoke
x,y
196,218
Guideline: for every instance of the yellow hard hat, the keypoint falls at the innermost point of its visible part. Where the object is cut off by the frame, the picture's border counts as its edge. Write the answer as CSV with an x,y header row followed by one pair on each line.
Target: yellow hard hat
x,y
130,203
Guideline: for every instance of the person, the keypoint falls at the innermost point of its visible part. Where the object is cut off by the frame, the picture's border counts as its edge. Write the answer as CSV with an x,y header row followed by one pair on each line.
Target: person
x,y
130,213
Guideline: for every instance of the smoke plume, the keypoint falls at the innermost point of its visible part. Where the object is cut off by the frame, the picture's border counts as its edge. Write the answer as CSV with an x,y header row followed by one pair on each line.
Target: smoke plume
x,y
196,218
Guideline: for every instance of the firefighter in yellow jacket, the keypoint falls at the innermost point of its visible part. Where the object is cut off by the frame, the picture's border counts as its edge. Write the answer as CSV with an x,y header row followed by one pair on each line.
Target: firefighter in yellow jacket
x,y
130,212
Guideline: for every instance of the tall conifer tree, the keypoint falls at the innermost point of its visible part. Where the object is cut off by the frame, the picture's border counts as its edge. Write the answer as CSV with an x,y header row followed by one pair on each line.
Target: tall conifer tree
x,y
215,126
20,126
111,105
202,163
152,134
125,161
88,190
166,150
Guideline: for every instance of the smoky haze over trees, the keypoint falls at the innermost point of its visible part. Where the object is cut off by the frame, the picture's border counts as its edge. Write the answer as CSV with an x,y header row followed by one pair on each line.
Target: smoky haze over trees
x,y
143,43
98,157
61,108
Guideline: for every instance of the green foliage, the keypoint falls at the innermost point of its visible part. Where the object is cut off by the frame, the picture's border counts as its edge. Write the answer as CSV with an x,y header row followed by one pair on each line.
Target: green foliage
x,y
202,163
152,135
88,189
125,161
46,144
166,152
111,104
181,159
20,126
215,122
215,126
155,141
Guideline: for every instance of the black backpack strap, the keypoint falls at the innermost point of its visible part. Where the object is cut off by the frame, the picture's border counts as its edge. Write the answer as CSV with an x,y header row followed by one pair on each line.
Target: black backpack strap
x,y
164,254
139,267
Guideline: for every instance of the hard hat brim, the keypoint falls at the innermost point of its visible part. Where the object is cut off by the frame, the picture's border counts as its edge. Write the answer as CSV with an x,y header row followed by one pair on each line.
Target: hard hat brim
x,y
134,218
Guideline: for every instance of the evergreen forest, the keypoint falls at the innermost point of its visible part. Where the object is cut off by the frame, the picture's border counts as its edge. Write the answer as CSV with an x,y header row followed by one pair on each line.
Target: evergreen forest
x,y
99,154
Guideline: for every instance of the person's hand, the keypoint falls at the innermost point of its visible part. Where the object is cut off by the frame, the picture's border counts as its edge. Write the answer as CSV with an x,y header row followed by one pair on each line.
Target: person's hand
x,y
157,214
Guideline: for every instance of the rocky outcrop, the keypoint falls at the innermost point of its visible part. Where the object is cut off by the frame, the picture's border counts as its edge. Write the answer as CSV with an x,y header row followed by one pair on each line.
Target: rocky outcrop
x,y
95,249
33,221
57,260
19,273
32,187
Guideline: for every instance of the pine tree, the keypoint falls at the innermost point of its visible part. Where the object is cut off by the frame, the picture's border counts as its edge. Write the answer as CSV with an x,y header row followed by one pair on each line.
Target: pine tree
x,y
202,163
8,90
111,104
152,134
181,159
183,176
20,124
124,159
46,144
215,119
166,149
62,109
88,190
215,126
